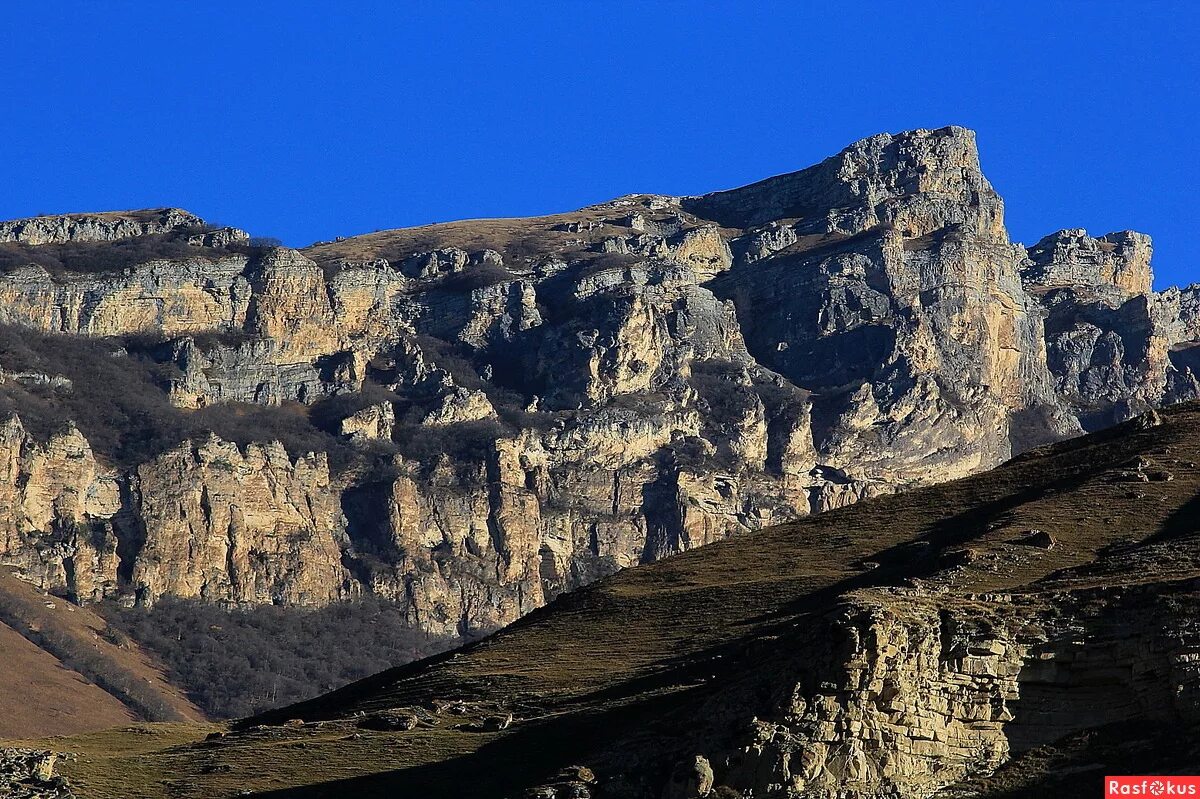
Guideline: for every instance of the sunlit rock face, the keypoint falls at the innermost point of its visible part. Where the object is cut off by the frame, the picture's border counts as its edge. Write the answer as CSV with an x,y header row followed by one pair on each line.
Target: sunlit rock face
x,y
1114,346
540,402
109,226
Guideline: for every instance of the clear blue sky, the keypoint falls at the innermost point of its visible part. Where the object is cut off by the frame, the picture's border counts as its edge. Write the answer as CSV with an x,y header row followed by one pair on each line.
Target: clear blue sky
x,y
300,122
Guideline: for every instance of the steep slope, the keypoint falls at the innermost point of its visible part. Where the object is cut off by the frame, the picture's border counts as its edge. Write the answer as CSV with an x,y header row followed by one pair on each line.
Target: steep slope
x,y
59,700
1034,615
67,671
477,416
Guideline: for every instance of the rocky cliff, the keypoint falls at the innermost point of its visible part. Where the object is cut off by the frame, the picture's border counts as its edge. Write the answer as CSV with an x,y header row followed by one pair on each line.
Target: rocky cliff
x,y
1021,632
513,408
108,226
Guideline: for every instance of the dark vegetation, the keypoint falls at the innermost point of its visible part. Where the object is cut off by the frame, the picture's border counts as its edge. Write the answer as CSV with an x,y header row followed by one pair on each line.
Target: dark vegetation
x,y
502,390
80,655
109,257
722,389
118,400
476,276
464,443
329,412
235,663
725,397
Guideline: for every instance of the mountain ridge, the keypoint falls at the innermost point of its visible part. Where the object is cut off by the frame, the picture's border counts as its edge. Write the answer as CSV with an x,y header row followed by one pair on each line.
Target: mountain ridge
x,y
946,641
472,418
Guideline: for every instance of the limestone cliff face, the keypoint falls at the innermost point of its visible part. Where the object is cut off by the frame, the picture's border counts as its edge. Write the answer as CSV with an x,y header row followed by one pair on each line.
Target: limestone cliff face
x,y
557,398
204,520
1110,338
905,692
96,227
56,510
250,527
918,182
170,297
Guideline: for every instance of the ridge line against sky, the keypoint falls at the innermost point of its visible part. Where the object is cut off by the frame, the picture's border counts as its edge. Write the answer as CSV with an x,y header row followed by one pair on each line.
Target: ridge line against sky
x,y
306,123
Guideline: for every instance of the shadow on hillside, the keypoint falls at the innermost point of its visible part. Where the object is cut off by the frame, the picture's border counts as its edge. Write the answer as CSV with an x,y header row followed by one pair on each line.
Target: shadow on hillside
x,y
654,717
1183,522
507,766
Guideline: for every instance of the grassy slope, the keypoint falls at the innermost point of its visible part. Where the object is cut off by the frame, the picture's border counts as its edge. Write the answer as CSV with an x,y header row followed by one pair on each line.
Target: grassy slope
x,y
524,236
54,700
65,673
633,658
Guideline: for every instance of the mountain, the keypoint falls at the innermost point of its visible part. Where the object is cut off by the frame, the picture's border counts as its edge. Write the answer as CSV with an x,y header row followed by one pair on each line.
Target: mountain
x,y
1020,632
466,420
559,397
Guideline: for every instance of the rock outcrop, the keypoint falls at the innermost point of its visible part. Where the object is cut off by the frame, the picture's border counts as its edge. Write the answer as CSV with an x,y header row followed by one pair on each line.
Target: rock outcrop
x,y
251,526
549,400
1110,339
205,520
920,691
57,506
1032,627
108,226
29,774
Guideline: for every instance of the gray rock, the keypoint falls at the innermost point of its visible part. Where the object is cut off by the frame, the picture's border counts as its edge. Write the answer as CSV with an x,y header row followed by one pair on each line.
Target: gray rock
x,y
96,227
673,372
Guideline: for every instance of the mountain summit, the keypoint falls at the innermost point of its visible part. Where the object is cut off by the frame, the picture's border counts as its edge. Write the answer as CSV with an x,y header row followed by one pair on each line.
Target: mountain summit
x,y
920,181
476,416
469,419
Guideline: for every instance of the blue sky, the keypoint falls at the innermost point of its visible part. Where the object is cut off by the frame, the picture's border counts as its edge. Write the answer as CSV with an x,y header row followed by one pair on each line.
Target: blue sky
x,y
304,122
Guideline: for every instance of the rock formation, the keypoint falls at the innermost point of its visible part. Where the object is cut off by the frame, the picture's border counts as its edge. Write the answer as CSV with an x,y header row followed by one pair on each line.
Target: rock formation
x,y
108,226
549,400
56,503
1021,632
253,526
1114,346
30,774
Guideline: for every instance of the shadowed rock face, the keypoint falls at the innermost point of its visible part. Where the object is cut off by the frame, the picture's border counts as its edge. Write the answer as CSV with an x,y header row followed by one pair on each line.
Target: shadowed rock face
x,y
1027,629
1111,341
646,376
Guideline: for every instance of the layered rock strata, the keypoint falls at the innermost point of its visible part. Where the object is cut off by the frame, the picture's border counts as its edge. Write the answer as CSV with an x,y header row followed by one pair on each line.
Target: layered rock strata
x,y
561,397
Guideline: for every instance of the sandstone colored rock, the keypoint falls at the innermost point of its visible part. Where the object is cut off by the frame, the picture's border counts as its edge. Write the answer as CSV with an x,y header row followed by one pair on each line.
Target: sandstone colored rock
x,y
372,422
57,509
250,526
655,373
1072,259
460,405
